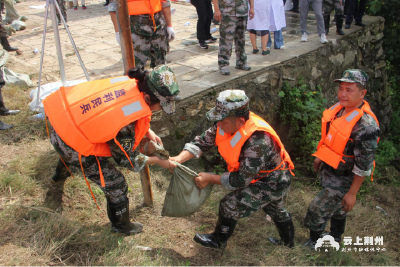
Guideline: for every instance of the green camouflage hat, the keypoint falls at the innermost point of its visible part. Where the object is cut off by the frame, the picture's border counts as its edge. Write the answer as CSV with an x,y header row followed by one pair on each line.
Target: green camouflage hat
x,y
229,103
162,82
354,76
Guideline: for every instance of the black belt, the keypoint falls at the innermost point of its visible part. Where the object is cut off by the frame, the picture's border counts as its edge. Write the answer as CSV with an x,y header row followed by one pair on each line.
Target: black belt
x,y
145,20
338,172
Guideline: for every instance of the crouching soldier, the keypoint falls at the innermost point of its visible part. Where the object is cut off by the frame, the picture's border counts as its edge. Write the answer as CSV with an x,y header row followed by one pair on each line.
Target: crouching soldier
x,y
99,120
258,168
345,155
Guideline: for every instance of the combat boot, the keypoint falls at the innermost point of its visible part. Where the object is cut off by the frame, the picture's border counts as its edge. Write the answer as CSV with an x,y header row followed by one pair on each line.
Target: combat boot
x,y
337,229
339,25
6,44
119,218
314,236
286,232
218,240
5,126
327,20
61,173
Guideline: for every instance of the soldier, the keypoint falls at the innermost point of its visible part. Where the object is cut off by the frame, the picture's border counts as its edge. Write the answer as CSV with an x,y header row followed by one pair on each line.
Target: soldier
x,y
327,7
154,91
233,17
150,25
344,156
3,38
258,168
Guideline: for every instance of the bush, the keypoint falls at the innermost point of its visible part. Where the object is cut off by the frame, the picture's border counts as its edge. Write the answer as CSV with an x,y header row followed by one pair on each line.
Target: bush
x,y
301,109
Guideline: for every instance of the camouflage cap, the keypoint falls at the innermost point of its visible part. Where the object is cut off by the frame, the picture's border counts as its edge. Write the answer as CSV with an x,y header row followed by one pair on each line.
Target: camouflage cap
x,y
162,82
354,76
229,103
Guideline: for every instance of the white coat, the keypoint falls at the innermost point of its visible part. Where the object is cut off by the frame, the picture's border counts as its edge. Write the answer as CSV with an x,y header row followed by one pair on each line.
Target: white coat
x,y
269,15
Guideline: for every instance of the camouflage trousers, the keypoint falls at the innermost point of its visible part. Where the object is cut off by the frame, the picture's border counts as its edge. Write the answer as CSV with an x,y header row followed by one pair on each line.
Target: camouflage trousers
x,y
3,31
325,205
116,188
232,29
244,201
11,12
63,9
329,5
149,44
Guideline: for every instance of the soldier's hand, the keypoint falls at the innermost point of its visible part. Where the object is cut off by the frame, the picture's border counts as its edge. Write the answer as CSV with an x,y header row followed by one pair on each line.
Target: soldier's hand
x,y
152,136
202,180
217,15
348,202
176,159
317,164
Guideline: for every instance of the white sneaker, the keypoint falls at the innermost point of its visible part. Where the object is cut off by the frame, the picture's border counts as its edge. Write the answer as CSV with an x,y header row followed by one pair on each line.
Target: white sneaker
x,y
282,47
304,37
323,39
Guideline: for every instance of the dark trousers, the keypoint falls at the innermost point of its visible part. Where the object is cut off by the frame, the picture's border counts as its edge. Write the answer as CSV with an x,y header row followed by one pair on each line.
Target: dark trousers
x,y
205,14
356,10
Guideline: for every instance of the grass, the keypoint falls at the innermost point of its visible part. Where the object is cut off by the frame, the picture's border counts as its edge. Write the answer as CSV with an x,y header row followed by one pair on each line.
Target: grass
x,y
46,224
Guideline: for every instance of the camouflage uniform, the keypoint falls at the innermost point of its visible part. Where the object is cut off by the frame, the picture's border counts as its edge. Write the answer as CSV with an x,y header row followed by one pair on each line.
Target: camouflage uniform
x,y
147,43
329,5
162,82
63,9
259,152
337,182
115,188
232,28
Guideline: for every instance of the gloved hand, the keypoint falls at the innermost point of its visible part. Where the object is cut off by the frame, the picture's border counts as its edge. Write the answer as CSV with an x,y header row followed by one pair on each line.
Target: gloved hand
x,y
171,34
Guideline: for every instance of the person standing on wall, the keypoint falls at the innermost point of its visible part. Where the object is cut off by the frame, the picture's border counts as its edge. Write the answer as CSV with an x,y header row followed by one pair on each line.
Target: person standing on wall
x,y
205,15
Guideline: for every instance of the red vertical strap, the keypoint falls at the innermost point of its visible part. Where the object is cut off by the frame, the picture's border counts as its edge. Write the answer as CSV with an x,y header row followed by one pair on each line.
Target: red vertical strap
x,y
90,189
372,173
103,184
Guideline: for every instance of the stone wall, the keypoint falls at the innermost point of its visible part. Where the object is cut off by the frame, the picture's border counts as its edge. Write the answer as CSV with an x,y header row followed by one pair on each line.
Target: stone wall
x,y
361,49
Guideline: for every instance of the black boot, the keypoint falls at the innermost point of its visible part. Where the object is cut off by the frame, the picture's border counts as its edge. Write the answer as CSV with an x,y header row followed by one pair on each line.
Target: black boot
x,y
327,20
314,236
223,231
339,25
61,173
5,126
6,44
337,228
119,218
286,232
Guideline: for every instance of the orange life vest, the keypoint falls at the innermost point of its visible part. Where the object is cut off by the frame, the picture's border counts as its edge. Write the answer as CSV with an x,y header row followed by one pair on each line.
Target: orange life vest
x,y
230,146
143,7
330,148
87,115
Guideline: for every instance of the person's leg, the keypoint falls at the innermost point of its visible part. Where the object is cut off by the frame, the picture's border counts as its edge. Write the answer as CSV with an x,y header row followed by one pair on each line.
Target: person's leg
x,y
210,15
282,220
83,4
327,7
304,7
317,7
350,12
295,6
278,40
202,18
362,5
339,13
320,210
3,110
240,41
253,39
227,31
269,43
75,2
159,48
113,16
264,41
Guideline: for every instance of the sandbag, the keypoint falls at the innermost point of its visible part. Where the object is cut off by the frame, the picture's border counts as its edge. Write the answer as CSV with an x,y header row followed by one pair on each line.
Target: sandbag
x,y
183,197
12,78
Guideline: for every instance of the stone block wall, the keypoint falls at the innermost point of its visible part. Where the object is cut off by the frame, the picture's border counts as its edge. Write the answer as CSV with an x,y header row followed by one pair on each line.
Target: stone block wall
x,y
361,49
